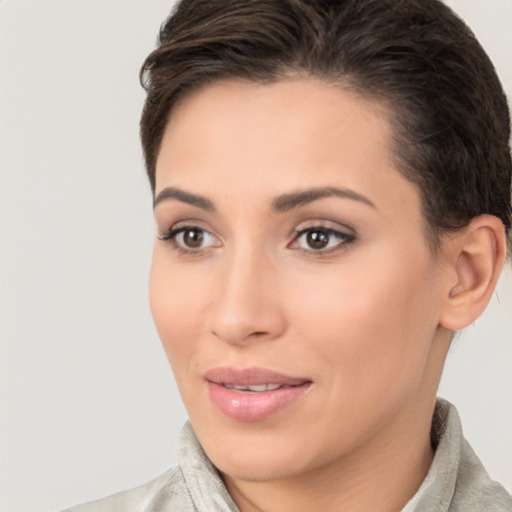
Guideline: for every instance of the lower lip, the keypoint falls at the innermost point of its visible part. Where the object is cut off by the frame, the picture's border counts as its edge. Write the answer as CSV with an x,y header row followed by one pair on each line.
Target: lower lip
x,y
254,406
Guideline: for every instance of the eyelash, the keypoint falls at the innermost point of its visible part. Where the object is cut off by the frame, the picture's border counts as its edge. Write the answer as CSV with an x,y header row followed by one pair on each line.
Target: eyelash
x,y
171,235
345,239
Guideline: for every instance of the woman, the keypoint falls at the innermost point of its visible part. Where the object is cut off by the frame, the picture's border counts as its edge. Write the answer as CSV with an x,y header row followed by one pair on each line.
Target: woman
x,y
331,189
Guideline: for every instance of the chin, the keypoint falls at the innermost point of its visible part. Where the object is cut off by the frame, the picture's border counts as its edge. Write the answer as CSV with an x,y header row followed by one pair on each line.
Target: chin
x,y
261,469
255,454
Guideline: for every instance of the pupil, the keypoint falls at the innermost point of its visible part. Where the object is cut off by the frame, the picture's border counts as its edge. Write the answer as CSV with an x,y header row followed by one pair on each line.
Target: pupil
x,y
193,238
318,239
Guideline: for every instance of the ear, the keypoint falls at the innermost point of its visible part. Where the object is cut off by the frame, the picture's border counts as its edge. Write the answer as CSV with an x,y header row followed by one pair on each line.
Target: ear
x,y
475,259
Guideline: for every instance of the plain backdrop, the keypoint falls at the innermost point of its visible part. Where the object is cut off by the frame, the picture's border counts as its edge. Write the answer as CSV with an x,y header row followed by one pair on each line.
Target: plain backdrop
x,y
88,404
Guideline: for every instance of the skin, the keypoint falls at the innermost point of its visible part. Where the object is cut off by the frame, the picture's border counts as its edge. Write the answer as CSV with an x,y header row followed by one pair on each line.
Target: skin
x,y
368,319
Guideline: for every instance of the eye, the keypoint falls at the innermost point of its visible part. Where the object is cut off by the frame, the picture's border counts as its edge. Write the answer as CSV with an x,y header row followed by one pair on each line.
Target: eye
x,y
320,239
190,238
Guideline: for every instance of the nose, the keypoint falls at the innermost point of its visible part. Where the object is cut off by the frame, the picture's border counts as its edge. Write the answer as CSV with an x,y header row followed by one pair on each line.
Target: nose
x,y
248,306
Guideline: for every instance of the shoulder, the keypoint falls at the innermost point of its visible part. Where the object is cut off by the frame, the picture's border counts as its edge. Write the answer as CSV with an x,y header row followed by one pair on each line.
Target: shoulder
x,y
166,492
474,488
461,477
195,484
457,481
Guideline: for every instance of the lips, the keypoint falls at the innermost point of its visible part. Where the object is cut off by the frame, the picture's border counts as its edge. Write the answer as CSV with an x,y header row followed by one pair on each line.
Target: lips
x,y
253,394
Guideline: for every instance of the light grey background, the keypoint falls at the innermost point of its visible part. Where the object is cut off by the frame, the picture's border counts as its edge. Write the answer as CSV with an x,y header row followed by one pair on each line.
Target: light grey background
x,y
88,404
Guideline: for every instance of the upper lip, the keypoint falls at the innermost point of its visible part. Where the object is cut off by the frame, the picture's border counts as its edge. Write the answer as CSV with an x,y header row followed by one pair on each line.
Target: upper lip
x,y
251,377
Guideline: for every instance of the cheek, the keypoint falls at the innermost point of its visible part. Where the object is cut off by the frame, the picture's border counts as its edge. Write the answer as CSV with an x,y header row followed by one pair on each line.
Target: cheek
x,y
373,322
174,302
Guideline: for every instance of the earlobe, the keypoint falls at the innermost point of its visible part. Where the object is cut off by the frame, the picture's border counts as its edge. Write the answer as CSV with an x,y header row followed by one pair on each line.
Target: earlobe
x,y
476,258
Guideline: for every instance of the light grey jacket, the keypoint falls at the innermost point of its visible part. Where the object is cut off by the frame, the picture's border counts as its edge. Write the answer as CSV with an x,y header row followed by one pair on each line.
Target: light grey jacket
x,y
456,481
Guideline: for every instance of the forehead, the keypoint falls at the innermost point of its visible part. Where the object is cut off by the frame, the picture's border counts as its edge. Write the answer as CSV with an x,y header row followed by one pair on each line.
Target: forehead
x,y
251,140
299,119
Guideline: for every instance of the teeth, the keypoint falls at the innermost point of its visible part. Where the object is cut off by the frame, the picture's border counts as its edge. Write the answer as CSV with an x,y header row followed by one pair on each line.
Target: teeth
x,y
256,388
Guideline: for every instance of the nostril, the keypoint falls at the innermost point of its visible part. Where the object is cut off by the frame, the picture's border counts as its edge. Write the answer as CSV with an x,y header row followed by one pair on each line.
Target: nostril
x,y
240,337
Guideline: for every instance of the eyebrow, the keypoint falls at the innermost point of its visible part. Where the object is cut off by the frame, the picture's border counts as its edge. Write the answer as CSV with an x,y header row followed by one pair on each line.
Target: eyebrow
x,y
185,197
287,202
282,203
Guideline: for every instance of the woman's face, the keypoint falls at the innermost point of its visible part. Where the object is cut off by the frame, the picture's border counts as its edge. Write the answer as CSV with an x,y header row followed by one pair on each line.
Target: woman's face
x,y
291,285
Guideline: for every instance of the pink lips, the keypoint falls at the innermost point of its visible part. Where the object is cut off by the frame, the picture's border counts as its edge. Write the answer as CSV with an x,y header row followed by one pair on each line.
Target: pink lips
x,y
230,392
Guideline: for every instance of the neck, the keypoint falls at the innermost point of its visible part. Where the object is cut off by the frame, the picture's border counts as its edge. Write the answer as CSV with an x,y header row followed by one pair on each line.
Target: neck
x,y
381,475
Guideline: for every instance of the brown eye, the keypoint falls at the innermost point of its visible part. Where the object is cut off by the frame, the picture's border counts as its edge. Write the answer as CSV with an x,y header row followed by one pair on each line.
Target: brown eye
x,y
318,239
193,238
322,240
190,239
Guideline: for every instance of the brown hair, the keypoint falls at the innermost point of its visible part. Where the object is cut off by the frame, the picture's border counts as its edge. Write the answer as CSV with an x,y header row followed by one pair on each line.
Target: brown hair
x,y
447,108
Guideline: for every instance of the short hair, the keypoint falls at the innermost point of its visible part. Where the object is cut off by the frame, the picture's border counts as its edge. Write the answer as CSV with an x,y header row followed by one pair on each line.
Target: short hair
x,y
446,106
